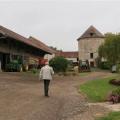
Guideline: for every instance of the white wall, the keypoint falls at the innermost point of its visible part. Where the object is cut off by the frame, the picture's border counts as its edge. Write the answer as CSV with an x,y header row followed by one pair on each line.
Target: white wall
x,y
72,59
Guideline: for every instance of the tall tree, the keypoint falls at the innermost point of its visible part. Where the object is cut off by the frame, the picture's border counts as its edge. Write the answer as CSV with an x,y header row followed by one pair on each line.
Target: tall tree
x,y
110,50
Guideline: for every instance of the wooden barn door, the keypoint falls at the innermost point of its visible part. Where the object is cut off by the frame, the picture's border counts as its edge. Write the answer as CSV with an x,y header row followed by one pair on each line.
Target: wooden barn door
x,y
3,60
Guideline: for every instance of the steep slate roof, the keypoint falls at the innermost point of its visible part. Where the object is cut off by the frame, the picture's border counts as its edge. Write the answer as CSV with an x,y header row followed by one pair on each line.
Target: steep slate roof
x,y
8,33
91,32
69,54
40,44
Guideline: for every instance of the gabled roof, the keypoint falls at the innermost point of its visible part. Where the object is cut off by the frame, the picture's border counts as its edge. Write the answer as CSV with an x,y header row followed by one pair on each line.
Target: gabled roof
x,y
8,33
91,32
68,54
40,44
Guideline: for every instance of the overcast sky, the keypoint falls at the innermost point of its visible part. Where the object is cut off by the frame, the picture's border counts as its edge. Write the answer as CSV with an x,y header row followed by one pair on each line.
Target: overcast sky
x,y
59,23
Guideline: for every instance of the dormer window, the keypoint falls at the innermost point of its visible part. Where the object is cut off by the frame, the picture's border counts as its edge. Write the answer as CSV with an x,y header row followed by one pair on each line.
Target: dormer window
x,y
91,34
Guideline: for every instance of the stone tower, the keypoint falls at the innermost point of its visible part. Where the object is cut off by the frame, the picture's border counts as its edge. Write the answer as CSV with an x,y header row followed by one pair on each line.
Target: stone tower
x,y
88,44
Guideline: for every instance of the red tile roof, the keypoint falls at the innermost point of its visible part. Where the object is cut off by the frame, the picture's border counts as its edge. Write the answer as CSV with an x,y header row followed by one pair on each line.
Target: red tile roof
x,y
71,54
8,33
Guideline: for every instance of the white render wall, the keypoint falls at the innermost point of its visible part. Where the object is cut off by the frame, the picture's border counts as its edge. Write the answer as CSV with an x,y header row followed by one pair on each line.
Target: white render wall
x,y
72,59
87,46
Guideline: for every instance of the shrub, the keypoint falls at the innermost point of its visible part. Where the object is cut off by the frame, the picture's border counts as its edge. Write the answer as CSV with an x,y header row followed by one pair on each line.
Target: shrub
x,y
59,64
118,68
117,91
115,96
105,65
115,82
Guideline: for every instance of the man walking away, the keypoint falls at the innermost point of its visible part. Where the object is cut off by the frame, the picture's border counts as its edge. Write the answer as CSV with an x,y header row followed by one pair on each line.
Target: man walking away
x,y
46,73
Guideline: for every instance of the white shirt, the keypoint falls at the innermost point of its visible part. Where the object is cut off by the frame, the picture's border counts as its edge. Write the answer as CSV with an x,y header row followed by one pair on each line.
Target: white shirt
x,y
46,72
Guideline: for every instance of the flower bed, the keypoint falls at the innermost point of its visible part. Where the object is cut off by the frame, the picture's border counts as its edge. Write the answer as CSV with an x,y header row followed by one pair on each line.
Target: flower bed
x,y
115,82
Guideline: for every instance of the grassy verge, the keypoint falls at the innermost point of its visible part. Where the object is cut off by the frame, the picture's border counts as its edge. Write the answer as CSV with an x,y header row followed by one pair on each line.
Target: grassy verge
x,y
111,116
97,90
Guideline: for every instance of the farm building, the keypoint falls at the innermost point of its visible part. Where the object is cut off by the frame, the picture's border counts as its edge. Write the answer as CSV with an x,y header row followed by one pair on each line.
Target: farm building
x,y
88,44
14,46
69,55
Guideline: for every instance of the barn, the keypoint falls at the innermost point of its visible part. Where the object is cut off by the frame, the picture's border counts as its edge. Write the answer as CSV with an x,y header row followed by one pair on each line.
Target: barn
x,y
14,46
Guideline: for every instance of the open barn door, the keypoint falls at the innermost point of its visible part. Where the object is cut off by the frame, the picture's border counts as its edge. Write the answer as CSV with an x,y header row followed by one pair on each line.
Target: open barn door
x,y
4,59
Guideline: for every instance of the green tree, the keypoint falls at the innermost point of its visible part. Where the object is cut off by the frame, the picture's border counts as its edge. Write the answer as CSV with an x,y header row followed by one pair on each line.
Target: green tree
x,y
59,64
110,50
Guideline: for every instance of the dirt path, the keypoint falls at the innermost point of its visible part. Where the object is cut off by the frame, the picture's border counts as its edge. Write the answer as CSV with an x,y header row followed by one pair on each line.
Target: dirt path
x,y
21,98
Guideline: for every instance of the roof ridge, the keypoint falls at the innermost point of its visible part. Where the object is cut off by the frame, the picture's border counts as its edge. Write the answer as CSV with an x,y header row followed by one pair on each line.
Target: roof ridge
x,y
40,43
12,31
20,38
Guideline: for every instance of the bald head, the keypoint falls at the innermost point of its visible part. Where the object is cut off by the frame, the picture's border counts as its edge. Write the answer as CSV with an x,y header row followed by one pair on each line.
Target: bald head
x,y
46,63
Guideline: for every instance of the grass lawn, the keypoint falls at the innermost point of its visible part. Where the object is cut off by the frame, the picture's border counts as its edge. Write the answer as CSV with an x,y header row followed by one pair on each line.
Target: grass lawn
x,y
97,90
111,116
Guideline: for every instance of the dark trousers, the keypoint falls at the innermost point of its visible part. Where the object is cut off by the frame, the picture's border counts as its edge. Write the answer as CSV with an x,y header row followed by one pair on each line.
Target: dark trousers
x,y
46,86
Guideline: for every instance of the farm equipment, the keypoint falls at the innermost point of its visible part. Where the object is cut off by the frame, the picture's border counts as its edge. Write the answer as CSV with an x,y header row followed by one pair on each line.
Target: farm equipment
x,y
84,66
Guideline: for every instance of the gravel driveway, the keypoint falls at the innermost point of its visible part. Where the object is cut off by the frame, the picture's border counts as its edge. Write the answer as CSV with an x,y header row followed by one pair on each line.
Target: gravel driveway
x,y
21,98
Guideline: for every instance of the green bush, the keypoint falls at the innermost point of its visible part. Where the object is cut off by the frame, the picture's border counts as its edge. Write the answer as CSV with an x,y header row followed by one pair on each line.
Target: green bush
x,y
105,65
59,64
118,68
117,91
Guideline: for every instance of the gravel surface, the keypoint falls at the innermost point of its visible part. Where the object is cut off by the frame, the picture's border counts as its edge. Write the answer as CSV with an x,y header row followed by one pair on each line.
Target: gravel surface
x,y
22,98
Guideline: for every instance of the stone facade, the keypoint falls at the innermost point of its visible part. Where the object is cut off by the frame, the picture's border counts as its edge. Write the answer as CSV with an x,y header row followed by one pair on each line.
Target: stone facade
x,y
88,45
88,49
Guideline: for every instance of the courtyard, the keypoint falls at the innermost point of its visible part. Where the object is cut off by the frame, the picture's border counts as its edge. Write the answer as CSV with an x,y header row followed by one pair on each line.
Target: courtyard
x,y
22,98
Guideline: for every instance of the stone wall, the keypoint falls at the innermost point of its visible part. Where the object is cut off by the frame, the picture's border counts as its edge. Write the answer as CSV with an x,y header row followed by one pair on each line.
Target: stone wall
x,y
87,46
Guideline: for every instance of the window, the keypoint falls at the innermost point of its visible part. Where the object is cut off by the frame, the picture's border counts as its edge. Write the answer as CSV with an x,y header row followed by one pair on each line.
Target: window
x,y
91,55
91,34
